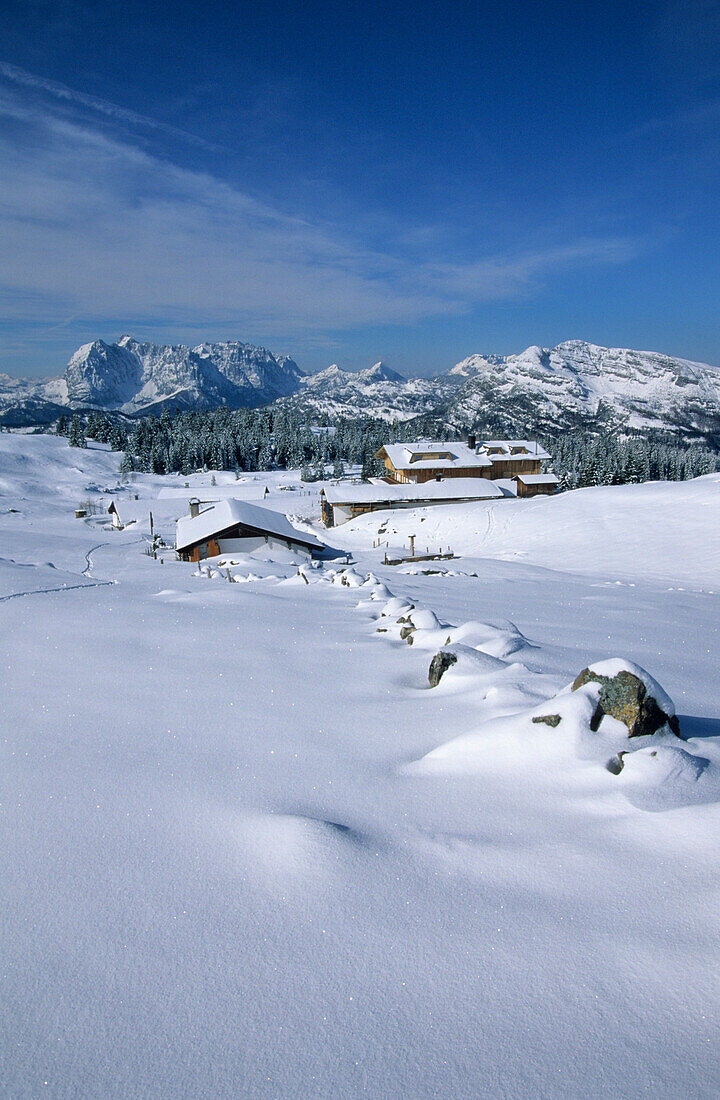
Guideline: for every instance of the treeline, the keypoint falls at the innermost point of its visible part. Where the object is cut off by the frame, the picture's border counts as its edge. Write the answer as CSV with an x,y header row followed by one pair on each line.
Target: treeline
x,y
277,438
580,459
243,439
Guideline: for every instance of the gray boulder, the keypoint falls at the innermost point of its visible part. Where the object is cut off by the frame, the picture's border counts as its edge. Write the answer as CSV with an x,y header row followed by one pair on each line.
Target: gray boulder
x,y
625,696
439,665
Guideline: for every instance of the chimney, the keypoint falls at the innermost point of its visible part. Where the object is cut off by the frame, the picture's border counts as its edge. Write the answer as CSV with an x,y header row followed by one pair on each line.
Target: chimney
x,y
472,442
194,507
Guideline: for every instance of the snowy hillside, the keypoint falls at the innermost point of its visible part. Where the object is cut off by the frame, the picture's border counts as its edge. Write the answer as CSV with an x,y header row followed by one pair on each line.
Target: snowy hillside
x,y
601,530
249,850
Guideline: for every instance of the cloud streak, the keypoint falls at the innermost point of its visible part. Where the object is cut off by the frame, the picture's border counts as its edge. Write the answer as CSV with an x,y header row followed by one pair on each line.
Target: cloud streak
x,y
112,111
95,227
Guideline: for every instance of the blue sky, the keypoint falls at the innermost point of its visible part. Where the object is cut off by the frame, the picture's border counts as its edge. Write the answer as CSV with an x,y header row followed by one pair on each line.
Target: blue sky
x,y
413,181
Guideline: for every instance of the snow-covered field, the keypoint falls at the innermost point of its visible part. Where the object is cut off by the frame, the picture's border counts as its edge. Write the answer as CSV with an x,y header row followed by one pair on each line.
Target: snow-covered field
x,y
247,851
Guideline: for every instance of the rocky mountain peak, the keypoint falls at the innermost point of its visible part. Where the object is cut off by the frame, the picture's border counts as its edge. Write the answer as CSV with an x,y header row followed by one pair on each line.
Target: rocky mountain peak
x,y
538,390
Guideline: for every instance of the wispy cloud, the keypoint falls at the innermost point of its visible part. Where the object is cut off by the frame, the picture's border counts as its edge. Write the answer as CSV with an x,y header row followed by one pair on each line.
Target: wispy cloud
x,y
94,104
96,227
510,276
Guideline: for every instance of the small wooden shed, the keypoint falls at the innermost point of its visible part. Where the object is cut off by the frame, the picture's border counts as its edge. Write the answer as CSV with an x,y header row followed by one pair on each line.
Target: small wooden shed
x,y
533,485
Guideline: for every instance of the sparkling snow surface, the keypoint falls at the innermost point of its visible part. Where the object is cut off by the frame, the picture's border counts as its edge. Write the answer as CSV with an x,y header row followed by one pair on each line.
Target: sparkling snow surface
x,y
248,852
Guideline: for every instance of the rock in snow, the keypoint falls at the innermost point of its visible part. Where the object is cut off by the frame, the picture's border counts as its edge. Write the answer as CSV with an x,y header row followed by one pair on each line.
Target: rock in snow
x,y
439,665
629,694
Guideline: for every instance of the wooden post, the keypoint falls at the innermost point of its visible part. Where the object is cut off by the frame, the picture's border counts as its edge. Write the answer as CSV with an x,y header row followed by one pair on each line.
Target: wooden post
x,y
412,546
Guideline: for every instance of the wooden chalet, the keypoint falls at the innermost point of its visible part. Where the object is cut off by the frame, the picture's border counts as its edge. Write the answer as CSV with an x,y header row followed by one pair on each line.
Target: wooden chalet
x,y
512,457
235,526
428,460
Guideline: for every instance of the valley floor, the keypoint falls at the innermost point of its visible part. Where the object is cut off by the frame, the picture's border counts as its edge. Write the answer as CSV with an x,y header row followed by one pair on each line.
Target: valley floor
x,y
230,867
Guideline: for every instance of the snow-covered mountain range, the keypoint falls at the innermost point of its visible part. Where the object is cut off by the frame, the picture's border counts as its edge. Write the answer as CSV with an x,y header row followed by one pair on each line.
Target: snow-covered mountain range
x,y
133,377
577,382
538,390
378,391
541,389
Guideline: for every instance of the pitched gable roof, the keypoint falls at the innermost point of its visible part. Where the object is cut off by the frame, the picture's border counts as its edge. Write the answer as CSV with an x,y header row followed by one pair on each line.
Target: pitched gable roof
x,y
191,530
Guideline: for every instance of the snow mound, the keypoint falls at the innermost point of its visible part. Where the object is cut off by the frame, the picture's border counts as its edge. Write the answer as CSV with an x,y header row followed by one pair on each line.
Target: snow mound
x,y
424,620
668,778
497,639
655,772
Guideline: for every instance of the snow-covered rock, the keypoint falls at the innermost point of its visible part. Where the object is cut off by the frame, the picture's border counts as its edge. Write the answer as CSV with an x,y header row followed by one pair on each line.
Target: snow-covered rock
x,y
629,694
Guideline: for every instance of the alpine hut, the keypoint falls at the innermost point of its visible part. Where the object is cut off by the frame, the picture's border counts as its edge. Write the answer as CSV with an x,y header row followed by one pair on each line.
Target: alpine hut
x,y
235,526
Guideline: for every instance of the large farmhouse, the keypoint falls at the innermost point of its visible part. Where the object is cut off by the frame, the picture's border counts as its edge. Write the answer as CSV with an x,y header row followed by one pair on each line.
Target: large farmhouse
x,y
234,526
427,460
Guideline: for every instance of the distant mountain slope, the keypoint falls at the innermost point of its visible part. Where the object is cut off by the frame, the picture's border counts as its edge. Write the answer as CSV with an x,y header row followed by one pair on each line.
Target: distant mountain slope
x,y
135,377
577,382
377,391
25,402
539,390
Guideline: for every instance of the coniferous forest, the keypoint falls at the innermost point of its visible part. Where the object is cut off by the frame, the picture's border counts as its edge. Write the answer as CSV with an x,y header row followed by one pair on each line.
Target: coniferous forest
x,y
277,438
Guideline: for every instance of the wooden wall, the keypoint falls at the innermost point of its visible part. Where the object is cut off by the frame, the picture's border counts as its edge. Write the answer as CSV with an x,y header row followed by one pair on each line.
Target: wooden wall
x,y
512,468
535,490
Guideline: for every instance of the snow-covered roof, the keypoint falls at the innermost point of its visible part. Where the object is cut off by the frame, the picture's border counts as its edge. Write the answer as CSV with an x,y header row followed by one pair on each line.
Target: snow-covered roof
x,y
191,530
432,454
416,456
507,446
456,488
538,479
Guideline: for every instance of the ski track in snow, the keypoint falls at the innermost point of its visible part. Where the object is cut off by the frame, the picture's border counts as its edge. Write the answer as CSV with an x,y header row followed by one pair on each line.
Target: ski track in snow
x,y
88,558
47,591
71,587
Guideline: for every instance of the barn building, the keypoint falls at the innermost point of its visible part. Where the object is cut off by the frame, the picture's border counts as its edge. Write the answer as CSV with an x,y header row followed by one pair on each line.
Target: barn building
x,y
341,503
234,526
